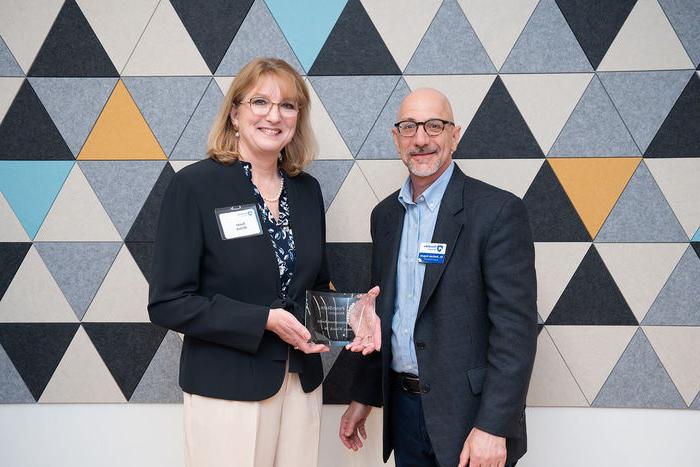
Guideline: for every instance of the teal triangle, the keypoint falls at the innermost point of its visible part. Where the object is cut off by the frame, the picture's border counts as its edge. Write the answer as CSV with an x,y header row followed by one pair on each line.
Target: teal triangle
x,y
306,24
696,237
31,187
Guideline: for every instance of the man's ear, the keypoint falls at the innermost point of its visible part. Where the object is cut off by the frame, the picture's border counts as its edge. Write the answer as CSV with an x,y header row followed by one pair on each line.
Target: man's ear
x,y
396,136
456,131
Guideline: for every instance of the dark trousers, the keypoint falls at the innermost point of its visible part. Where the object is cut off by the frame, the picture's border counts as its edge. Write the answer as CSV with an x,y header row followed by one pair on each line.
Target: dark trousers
x,y
412,446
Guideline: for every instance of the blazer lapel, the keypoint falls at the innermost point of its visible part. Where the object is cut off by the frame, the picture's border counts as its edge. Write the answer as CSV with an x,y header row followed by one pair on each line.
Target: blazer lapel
x,y
447,229
392,243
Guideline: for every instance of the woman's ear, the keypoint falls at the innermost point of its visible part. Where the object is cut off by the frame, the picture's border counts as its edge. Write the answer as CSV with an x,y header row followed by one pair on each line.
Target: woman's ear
x,y
233,117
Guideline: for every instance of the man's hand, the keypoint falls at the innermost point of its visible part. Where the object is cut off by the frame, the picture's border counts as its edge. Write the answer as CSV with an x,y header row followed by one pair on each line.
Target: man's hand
x,y
483,449
366,324
352,425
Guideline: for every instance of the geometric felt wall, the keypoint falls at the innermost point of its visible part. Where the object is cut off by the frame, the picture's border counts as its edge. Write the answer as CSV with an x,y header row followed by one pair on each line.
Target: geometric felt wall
x,y
589,111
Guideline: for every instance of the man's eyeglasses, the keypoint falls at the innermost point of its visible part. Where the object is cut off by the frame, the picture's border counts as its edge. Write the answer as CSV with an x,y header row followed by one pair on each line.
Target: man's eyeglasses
x,y
262,106
432,127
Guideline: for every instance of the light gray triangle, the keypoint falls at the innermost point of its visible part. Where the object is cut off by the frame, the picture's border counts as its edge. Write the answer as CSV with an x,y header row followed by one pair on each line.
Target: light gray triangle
x,y
594,128
167,103
78,268
379,143
450,46
354,102
696,403
641,214
546,45
74,104
644,99
193,141
12,387
330,175
329,358
8,64
258,36
639,380
684,16
159,383
120,199
678,303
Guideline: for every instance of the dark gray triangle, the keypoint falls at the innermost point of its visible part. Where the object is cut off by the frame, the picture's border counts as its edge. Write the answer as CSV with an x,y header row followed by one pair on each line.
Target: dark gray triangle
x,y
78,268
339,380
678,303
74,104
349,264
167,103
144,227
11,256
639,380
127,349
353,103
641,214
258,36
330,174
8,64
193,141
12,387
35,350
464,55
142,252
159,383
594,128
546,45
379,143
122,201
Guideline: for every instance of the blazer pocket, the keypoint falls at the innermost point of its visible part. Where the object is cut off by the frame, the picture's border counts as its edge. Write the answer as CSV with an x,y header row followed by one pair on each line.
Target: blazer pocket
x,y
476,379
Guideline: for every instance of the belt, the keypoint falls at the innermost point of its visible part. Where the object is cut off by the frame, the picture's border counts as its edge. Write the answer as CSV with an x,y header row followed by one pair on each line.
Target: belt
x,y
408,382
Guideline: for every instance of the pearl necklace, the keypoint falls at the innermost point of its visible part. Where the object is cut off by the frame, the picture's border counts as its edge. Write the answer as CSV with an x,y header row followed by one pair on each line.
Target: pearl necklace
x,y
279,193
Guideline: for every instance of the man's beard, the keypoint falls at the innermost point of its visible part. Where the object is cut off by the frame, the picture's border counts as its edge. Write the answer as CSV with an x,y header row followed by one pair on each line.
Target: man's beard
x,y
423,171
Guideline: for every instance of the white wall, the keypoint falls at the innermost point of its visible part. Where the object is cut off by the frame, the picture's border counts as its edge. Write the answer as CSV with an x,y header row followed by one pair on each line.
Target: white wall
x,y
84,435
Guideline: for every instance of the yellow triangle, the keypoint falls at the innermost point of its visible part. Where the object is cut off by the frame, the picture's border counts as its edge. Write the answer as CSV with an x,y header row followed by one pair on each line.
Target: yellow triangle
x,y
594,184
121,133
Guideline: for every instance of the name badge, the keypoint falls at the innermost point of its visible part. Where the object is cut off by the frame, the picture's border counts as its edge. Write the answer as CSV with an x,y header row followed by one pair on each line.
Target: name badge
x,y
432,253
238,221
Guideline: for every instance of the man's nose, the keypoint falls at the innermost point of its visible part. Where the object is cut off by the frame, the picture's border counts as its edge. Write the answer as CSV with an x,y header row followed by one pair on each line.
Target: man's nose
x,y
421,138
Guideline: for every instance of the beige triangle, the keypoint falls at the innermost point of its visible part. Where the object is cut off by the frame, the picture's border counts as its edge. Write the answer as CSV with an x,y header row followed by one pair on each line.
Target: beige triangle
x,y
123,295
118,33
679,180
546,101
224,83
465,92
552,384
498,23
330,143
347,218
82,376
591,352
402,36
678,348
179,165
12,230
555,264
514,175
24,25
77,215
640,270
646,42
384,176
166,48
8,91
33,295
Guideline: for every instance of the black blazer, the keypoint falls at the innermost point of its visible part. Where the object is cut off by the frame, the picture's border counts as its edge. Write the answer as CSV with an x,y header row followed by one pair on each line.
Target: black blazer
x,y
218,292
476,330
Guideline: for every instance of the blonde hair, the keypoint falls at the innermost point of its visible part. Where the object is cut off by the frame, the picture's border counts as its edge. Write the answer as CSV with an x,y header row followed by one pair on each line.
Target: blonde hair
x,y
222,144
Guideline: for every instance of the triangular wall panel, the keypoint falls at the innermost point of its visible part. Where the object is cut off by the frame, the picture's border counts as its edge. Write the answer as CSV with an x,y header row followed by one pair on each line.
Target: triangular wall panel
x,y
683,15
379,143
12,387
678,349
144,227
192,141
678,303
159,383
12,230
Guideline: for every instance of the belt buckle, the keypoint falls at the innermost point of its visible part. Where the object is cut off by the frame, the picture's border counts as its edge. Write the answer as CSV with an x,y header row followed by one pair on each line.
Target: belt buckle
x,y
405,380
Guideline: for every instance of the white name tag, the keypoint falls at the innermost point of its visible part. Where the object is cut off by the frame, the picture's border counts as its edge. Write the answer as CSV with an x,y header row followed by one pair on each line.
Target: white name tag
x,y
238,221
432,252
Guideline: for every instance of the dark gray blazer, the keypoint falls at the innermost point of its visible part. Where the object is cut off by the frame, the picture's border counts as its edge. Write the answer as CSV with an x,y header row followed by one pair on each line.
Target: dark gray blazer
x,y
476,331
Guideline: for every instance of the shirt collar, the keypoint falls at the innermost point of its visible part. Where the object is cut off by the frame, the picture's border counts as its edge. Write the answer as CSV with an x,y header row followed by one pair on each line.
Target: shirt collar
x,y
432,195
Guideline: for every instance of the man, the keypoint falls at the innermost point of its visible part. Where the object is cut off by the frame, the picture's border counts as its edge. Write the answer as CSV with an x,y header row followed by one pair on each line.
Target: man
x,y
454,259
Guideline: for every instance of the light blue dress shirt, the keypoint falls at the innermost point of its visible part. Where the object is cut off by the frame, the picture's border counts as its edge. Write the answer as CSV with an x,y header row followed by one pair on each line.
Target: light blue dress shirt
x,y
418,227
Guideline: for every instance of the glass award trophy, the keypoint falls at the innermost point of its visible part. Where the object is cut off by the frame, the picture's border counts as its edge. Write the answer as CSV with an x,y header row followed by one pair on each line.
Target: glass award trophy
x,y
335,319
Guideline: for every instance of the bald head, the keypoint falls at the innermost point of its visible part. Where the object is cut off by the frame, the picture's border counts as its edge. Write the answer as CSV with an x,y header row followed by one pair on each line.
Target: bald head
x,y
426,100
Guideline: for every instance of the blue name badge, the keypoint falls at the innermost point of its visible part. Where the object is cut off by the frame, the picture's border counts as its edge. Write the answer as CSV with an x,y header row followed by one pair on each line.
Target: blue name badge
x,y
432,253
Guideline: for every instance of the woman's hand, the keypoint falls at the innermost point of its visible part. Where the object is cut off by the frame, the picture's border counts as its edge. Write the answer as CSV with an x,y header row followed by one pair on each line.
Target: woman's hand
x,y
290,330
366,324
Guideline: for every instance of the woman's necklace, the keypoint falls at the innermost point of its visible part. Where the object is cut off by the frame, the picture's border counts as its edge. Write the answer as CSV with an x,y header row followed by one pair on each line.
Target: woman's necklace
x,y
279,193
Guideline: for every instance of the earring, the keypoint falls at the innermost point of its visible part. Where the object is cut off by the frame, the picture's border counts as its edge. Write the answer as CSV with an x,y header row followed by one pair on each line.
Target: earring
x,y
236,134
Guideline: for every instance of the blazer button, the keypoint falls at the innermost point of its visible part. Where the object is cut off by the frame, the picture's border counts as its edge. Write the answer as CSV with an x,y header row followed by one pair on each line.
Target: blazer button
x,y
420,345
425,388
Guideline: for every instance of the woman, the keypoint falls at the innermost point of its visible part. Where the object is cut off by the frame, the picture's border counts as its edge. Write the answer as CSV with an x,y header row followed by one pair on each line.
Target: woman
x,y
241,237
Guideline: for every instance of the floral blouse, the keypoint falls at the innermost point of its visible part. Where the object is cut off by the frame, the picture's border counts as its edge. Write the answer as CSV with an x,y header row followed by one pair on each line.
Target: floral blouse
x,y
280,232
